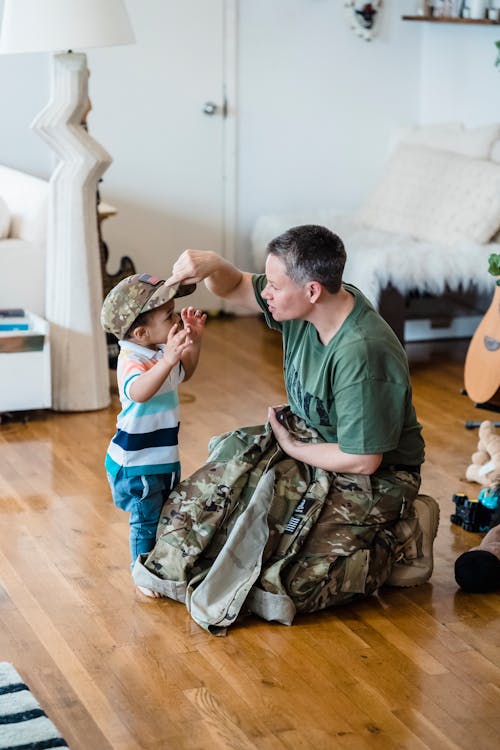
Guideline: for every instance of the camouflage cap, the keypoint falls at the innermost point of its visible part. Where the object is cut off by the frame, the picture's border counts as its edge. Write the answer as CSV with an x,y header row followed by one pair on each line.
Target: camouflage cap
x,y
134,295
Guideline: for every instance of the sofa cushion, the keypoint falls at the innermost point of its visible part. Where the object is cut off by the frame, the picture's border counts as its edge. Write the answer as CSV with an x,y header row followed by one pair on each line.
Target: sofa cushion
x,y
27,199
474,142
4,219
22,281
436,195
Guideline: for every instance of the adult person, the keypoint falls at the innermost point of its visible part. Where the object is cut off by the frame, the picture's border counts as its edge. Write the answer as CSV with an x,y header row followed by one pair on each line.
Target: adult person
x,y
347,380
345,371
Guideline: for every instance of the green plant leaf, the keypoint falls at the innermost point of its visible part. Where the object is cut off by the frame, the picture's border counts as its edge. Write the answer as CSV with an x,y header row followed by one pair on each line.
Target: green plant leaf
x,y
494,264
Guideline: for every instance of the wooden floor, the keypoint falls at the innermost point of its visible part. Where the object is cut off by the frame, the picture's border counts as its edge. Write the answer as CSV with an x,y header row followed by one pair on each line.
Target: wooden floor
x,y
416,668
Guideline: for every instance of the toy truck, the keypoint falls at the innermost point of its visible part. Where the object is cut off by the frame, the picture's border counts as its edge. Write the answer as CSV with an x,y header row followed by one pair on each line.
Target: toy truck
x,y
475,514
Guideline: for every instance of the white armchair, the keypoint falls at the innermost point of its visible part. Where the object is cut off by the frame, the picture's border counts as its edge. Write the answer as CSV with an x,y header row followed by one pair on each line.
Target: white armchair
x,y
23,250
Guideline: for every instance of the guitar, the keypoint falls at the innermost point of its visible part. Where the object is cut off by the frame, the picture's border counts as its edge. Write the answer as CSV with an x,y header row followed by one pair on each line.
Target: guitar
x,y
482,363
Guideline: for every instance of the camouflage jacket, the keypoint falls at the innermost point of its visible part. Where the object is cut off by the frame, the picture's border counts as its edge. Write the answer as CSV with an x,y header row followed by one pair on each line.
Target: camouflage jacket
x,y
254,530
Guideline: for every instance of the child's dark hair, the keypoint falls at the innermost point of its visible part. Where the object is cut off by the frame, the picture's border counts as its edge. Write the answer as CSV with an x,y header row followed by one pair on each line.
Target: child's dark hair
x,y
141,320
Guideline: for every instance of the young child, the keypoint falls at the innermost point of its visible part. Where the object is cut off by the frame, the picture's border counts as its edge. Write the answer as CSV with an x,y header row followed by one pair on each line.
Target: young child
x,y
157,352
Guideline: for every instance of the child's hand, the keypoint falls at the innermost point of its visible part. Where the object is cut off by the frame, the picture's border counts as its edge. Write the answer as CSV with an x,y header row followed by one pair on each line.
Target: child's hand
x,y
194,322
176,344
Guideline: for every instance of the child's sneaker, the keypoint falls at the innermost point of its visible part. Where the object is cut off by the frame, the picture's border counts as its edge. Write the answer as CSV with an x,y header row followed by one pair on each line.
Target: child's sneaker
x,y
414,572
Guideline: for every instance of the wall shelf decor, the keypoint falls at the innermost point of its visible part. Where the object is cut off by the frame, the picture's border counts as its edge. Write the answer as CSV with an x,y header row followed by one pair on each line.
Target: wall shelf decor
x,y
442,19
363,18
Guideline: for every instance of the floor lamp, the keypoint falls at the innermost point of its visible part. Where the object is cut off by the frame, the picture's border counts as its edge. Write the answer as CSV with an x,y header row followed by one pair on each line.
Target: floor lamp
x,y
80,376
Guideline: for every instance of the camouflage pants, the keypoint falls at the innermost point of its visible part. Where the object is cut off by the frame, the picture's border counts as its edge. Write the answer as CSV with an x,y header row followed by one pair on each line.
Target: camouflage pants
x,y
254,530
364,524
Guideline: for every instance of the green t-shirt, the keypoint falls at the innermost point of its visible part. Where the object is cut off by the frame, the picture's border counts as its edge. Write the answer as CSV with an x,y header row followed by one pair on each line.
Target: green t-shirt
x,y
355,390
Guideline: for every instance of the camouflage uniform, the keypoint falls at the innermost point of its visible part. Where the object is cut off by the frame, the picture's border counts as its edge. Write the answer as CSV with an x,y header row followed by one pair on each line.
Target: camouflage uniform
x,y
256,531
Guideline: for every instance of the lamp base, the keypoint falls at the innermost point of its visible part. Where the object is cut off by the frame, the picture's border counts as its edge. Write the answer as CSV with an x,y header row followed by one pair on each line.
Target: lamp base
x,y
80,378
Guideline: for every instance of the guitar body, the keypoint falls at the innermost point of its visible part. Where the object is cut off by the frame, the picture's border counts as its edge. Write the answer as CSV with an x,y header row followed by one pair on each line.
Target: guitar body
x,y
482,363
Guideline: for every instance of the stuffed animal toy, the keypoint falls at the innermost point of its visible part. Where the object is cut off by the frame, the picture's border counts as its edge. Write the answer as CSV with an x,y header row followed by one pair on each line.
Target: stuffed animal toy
x,y
485,466
478,570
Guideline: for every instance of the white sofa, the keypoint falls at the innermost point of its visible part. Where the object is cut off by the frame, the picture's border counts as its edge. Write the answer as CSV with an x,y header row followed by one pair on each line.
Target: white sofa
x,y
430,223
23,218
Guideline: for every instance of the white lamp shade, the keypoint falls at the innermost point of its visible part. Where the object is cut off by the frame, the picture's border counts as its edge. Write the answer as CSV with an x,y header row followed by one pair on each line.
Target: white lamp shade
x,y
60,25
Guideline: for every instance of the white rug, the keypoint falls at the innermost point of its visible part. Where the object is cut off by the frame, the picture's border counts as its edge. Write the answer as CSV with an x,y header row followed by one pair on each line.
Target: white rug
x,y
23,723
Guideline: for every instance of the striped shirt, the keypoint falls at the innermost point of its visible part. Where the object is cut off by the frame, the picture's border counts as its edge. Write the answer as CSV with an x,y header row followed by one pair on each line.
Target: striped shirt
x,y
146,439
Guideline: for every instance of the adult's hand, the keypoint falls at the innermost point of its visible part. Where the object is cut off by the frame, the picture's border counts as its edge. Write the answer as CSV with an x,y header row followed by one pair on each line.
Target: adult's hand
x,y
192,266
220,277
282,435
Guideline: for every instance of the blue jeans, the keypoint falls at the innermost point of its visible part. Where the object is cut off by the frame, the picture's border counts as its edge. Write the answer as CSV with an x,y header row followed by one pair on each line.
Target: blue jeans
x,y
143,497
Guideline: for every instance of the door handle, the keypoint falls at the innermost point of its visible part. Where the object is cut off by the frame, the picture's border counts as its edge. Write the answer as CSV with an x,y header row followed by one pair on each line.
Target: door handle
x,y
210,108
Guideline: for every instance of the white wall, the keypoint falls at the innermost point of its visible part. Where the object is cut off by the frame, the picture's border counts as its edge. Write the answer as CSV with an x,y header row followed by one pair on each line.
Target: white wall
x,y
459,81
24,87
316,108
318,103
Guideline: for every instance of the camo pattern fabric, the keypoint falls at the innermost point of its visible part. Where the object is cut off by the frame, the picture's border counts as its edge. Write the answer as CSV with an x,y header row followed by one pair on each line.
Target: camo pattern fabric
x,y
253,530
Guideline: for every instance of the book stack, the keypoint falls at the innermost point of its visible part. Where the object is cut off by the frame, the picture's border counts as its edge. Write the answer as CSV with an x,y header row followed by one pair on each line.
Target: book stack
x,y
18,332
13,319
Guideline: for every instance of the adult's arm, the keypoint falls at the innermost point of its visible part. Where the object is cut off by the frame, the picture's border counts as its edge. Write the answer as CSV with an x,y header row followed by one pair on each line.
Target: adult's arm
x,y
328,456
220,277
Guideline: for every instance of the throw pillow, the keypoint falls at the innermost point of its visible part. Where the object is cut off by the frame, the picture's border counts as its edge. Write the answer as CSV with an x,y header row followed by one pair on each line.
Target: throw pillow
x,y
473,142
437,196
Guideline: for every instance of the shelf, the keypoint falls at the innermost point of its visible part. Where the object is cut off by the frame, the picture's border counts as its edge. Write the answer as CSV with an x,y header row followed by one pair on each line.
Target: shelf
x,y
440,19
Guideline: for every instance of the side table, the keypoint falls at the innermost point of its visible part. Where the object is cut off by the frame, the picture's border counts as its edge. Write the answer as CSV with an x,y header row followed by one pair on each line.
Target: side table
x,y
25,372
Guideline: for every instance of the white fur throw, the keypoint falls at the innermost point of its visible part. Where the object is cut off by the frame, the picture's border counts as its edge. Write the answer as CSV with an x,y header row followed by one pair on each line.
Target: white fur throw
x,y
375,258
436,196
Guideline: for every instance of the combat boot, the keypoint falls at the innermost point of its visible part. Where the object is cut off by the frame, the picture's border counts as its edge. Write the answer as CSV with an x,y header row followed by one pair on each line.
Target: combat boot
x,y
412,572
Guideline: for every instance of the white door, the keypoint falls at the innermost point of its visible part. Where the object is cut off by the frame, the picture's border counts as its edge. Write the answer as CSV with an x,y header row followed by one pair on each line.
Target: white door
x,y
159,109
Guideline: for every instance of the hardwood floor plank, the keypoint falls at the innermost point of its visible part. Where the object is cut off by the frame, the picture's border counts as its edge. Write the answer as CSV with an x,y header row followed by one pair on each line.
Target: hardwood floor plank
x,y
433,736
219,723
369,711
394,635
397,683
